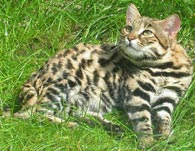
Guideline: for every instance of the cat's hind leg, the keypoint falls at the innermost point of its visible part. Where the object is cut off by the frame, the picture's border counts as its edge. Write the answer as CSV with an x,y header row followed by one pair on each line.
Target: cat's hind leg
x,y
43,113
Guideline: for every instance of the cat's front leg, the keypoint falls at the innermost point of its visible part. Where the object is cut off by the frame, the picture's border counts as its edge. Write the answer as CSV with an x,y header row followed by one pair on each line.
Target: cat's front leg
x,y
138,111
162,121
162,108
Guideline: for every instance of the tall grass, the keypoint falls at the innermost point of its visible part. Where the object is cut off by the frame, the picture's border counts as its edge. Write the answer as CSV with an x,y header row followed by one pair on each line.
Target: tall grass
x,y
33,31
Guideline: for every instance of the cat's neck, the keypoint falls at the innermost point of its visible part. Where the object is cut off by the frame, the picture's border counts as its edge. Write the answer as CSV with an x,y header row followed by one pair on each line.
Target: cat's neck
x,y
175,57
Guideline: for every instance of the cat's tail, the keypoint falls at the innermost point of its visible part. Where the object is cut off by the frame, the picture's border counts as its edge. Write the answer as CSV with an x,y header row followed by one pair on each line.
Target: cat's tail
x,y
24,106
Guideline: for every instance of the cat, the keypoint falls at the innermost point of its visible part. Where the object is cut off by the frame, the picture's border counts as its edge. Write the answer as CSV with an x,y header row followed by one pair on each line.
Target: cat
x,y
144,75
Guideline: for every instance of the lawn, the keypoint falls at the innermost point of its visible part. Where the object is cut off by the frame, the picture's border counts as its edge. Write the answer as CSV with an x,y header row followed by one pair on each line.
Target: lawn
x,y
33,31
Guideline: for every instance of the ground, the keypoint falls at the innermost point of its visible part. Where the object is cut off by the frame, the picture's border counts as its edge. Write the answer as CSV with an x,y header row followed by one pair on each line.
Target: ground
x,y
33,31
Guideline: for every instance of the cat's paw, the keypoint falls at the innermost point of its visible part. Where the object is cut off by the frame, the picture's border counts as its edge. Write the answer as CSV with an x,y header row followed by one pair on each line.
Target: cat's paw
x,y
72,124
164,130
145,142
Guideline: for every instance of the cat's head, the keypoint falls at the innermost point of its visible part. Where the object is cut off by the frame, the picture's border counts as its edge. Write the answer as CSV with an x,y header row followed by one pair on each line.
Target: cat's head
x,y
145,40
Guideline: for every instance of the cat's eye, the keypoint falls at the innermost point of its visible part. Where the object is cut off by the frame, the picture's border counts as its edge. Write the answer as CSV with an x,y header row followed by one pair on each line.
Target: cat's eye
x,y
127,29
147,33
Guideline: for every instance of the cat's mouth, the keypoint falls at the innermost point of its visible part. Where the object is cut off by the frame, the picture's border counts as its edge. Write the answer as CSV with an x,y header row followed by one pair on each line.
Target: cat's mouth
x,y
130,51
129,45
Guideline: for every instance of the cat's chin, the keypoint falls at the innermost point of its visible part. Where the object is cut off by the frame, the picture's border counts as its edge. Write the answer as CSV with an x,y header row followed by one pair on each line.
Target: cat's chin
x,y
131,52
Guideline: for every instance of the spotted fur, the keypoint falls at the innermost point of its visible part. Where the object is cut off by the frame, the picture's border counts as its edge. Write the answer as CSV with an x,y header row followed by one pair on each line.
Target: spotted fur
x,y
145,75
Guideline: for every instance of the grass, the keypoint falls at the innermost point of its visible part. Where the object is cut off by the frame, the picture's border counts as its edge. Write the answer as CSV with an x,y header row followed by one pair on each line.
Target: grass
x,y
32,31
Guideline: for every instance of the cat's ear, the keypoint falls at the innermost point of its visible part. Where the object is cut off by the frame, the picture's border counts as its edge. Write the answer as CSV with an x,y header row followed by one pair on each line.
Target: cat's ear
x,y
132,14
171,25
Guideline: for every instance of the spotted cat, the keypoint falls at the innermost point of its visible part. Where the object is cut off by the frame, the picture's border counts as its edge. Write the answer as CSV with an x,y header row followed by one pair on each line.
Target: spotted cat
x,y
144,75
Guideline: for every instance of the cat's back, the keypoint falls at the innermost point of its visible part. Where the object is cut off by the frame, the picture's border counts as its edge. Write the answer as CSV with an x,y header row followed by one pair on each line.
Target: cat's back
x,y
80,64
83,55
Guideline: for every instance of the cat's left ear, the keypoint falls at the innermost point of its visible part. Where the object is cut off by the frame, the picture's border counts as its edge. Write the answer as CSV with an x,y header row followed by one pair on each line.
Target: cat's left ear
x,y
171,25
132,14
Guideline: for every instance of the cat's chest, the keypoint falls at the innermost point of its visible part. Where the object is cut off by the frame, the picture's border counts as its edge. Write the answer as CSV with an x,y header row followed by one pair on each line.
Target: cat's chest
x,y
154,87
143,80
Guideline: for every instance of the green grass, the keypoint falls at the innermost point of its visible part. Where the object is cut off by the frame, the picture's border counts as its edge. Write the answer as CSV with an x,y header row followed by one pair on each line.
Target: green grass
x,y
32,31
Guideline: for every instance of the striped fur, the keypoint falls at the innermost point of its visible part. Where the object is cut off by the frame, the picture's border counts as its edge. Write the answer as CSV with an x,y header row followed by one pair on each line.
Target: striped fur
x,y
145,75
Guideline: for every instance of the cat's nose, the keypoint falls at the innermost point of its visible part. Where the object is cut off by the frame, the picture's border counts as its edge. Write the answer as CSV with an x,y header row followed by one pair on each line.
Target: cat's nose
x,y
131,37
